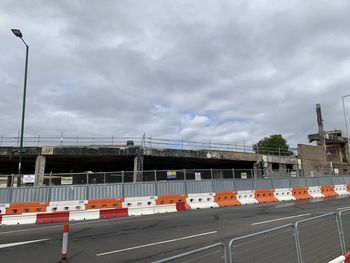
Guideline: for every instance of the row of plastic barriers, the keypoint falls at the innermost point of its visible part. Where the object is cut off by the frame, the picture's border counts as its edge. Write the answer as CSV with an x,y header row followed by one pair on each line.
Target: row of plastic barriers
x,y
38,212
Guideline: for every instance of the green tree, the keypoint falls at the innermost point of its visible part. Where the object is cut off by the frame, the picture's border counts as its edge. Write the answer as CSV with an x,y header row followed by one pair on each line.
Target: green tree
x,y
273,145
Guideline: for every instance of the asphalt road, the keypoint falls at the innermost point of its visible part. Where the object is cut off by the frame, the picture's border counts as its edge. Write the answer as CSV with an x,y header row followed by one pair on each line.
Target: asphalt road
x,y
153,237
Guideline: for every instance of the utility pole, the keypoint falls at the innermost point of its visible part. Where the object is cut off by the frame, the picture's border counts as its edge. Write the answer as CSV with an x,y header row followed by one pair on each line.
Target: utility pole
x,y
320,126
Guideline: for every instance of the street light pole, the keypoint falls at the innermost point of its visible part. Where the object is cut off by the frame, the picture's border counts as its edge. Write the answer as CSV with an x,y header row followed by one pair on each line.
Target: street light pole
x,y
18,33
346,125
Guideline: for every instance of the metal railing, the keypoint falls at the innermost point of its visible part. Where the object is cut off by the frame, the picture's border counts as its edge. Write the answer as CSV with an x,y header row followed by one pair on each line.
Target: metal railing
x,y
273,245
90,177
144,141
318,239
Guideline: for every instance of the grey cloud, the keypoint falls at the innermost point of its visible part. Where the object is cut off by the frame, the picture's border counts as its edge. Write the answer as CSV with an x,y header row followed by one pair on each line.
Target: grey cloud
x,y
223,71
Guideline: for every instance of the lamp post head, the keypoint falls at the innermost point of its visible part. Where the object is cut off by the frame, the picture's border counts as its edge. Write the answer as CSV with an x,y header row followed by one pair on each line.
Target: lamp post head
x,y
17,33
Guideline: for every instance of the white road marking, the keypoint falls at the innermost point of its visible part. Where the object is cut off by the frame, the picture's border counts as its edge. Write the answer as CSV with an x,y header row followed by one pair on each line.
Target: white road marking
x,y
156,243
279,219
70,223
22,243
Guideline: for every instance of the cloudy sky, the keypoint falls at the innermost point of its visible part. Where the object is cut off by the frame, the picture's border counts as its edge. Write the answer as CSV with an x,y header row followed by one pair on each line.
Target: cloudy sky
x,y
224,71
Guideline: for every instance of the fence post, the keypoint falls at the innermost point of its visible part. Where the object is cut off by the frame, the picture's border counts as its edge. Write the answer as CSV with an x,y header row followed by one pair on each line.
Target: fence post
x,y
155,175
50,194
87,192
123,175
340,231
184,171
123,190
104,178
211,173
272,183
234,185
233,173
156,188
11,195
50,179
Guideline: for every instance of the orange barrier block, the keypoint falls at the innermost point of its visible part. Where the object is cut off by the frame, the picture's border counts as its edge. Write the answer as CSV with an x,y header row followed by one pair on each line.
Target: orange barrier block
x,y
19,208
348,187
170,199
301,193
328,191
104,203
224,199
265,196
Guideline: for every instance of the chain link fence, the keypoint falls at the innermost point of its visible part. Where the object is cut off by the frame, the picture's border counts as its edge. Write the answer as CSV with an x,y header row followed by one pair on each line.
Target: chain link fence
x,y
90,177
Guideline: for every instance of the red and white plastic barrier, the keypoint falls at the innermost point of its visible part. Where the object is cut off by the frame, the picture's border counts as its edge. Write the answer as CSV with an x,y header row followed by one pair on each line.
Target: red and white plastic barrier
x,y
138,206
168,208
246,197
341,189
201,200
74,210
3,208
284,194
315,192
57,206
342,259
27,218
84,215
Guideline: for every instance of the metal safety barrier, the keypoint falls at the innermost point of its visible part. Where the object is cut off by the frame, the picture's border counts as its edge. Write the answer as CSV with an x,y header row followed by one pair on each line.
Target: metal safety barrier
x,y
272,245
317,239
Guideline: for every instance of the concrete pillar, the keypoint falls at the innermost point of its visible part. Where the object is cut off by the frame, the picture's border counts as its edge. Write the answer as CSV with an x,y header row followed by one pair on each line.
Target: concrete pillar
x,y
39,170
138,164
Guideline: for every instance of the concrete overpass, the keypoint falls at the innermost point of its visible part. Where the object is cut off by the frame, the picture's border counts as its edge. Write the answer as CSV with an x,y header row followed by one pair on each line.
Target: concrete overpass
x,y
69,159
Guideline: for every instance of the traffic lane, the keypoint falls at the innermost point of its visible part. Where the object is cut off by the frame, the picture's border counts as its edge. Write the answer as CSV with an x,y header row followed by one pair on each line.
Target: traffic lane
x,y
232,215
